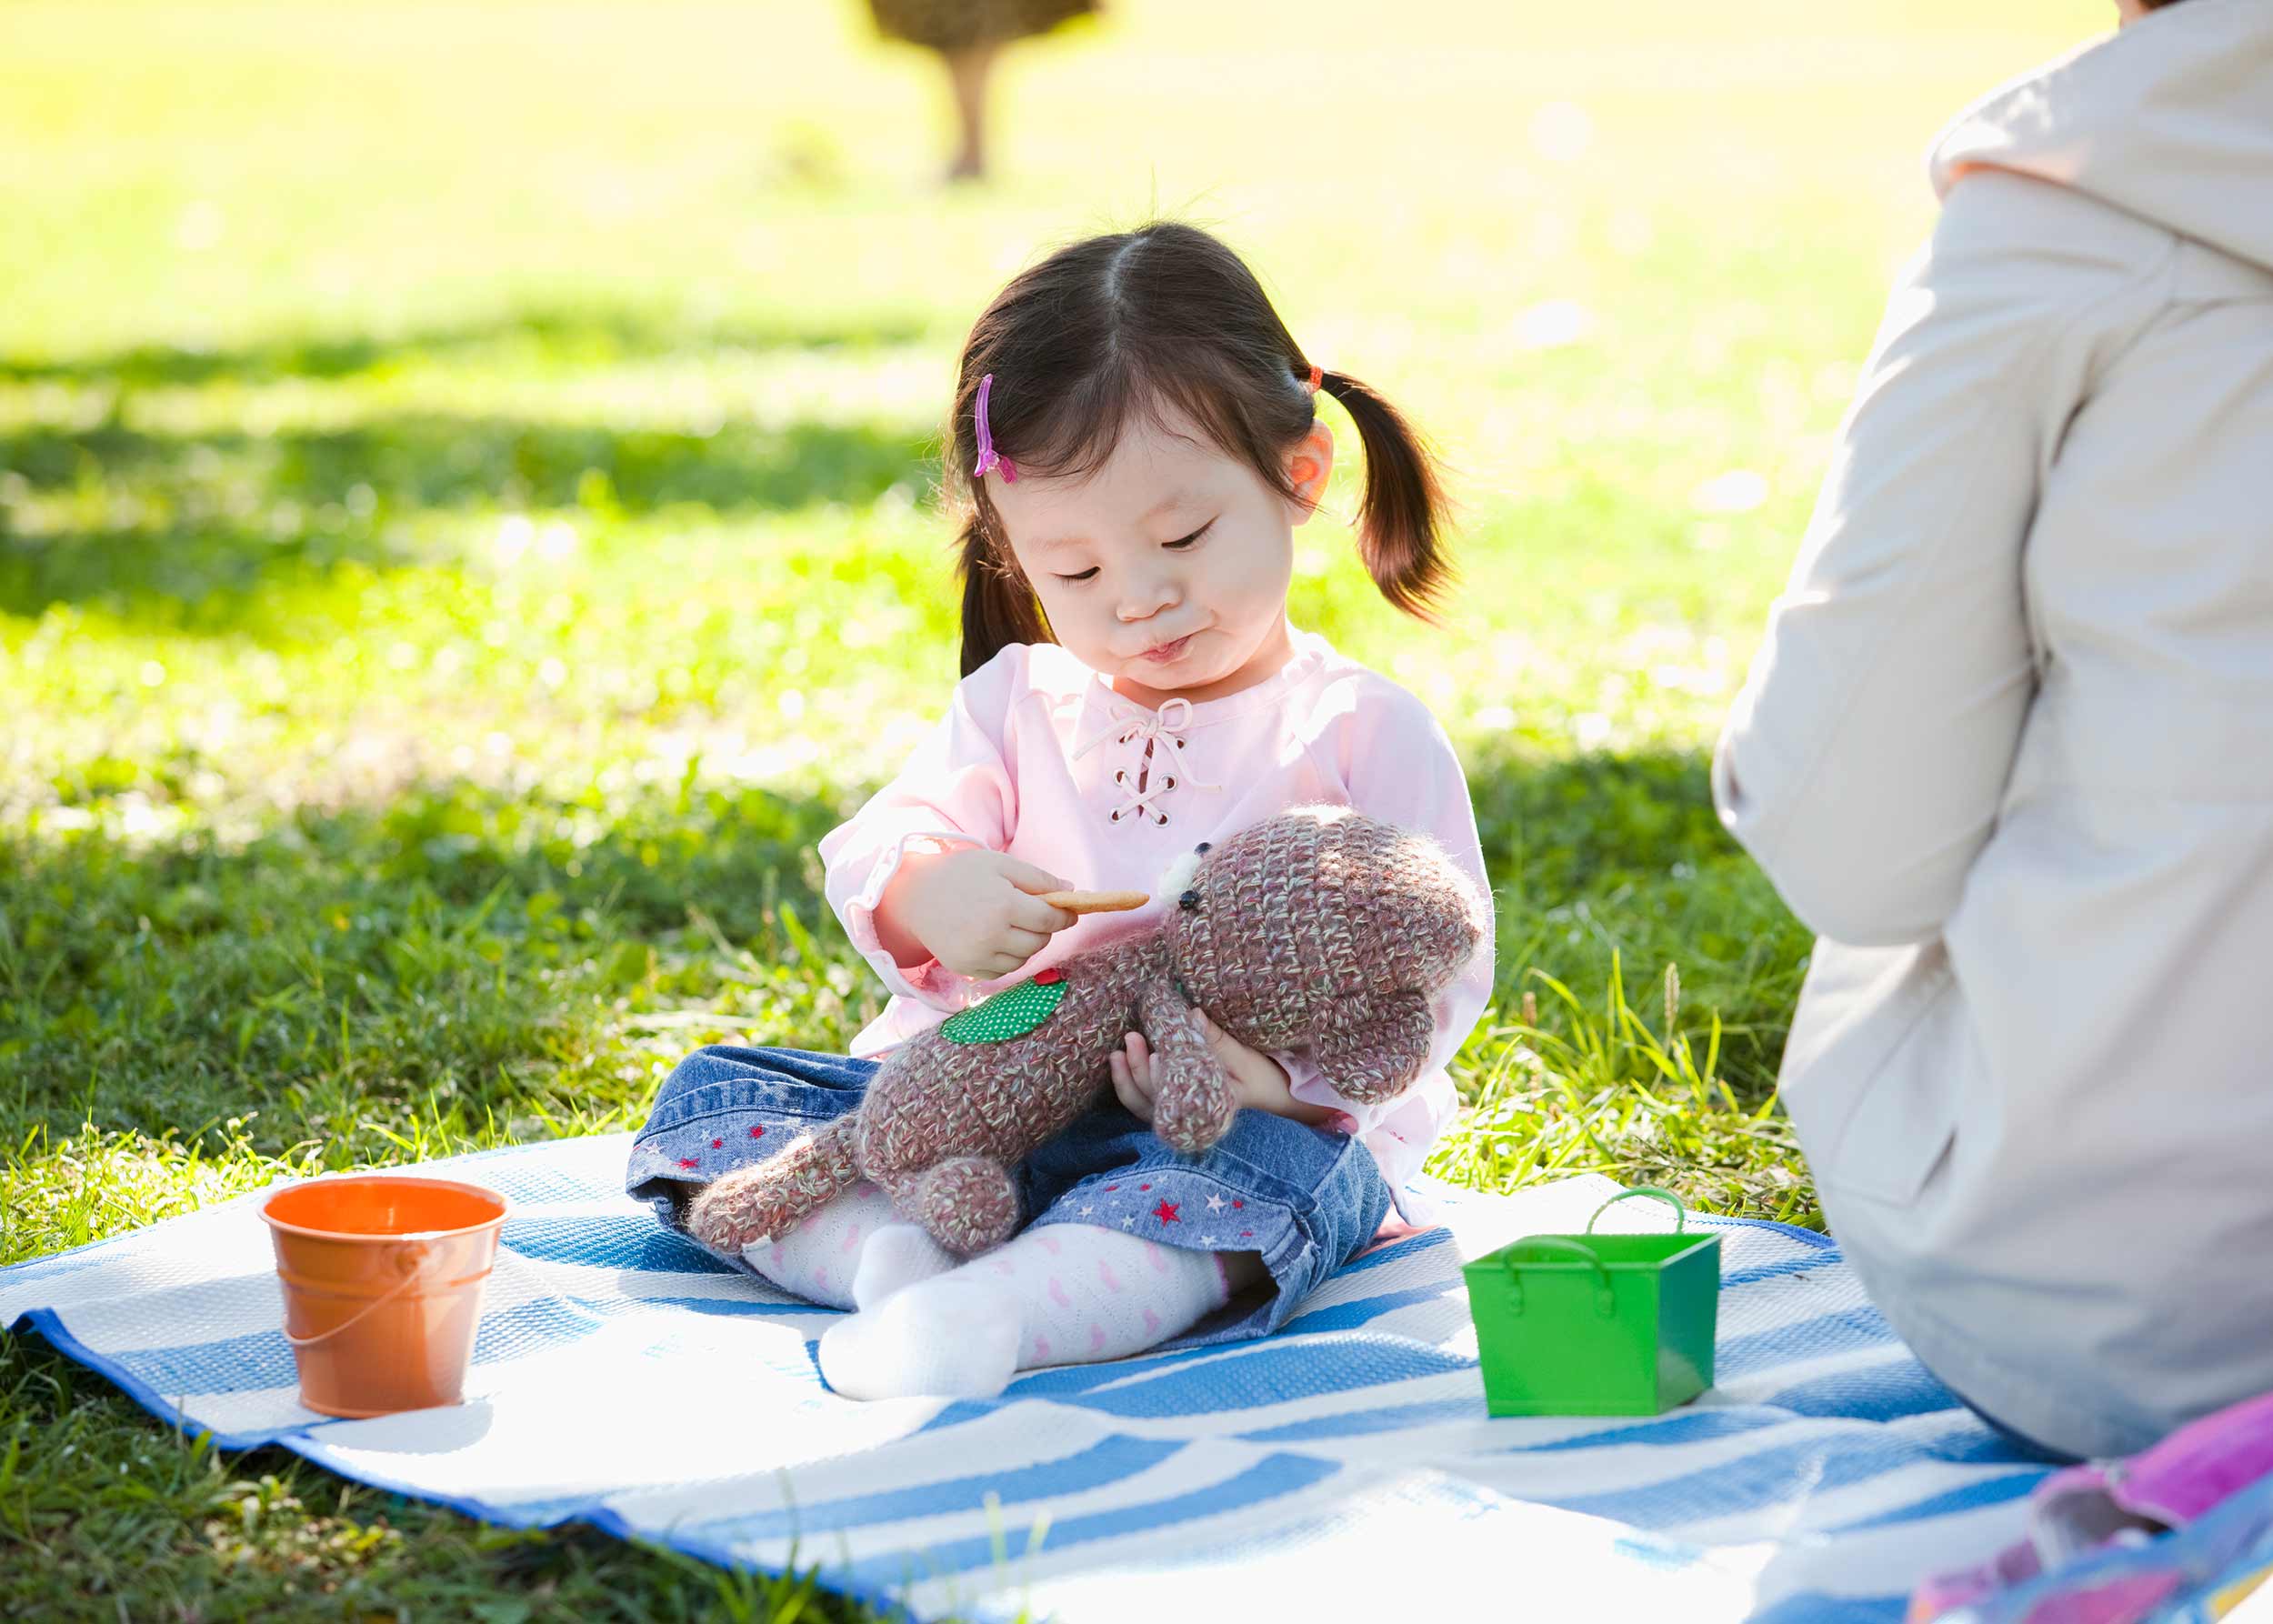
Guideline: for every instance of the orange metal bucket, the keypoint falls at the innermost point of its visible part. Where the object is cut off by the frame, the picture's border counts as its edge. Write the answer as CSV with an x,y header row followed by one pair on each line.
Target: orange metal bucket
x,y
383,1282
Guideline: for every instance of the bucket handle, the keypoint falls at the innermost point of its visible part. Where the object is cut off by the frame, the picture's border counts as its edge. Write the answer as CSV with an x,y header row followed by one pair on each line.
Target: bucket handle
x,y
1605,1300
1681,1213
413,1261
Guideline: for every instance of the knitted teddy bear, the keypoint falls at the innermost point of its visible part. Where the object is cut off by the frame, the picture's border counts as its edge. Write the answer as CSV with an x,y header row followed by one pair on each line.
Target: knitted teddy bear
x,y
1319,929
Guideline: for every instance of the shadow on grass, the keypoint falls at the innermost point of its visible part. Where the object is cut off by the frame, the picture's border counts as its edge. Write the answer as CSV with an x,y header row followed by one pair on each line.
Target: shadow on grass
x,y
1566,824
455,947
181,577
175,519
585,336
440,460
311,501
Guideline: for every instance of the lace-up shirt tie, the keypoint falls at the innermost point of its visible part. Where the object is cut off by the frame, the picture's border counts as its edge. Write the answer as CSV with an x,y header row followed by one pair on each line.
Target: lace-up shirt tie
x,y
1157,772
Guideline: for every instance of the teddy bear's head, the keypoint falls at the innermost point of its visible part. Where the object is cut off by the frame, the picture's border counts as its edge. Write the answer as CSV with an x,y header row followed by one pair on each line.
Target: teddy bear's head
x,y
1269,929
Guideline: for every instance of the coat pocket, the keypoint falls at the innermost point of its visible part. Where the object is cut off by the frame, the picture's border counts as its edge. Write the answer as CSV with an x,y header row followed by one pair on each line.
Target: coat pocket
x,y
1872,1074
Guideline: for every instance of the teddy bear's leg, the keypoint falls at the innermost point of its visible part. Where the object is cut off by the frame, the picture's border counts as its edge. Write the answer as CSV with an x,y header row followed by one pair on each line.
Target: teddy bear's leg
x,y
967,1202
760,1202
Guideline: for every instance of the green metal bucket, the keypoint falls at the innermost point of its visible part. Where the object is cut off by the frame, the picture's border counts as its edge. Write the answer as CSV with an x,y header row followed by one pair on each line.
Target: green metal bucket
x,y
1598,1325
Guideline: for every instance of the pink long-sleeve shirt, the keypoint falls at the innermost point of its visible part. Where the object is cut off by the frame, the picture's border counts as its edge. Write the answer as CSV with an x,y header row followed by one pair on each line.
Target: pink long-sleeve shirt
x,y
1038,756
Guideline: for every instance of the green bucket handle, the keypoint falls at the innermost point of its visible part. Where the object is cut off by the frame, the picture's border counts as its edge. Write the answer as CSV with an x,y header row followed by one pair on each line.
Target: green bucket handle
x,y
1606,1301
1681,1213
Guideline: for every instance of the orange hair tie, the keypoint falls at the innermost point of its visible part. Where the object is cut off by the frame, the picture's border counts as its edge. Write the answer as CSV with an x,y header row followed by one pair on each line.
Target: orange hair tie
x,y
1317,376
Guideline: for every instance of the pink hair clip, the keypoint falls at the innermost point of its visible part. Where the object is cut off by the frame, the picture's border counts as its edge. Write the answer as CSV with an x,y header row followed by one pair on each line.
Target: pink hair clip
x,y
988,457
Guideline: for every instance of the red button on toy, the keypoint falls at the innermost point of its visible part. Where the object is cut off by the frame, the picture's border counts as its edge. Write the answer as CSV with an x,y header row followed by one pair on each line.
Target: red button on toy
x,y
1049,978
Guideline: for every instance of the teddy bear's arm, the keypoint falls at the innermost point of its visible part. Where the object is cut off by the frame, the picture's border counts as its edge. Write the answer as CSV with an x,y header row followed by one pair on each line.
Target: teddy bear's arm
x,y
1372,1045
1192,1102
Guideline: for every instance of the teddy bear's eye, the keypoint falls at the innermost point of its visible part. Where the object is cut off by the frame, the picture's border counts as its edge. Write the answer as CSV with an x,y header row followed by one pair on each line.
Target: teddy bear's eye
x,y
1189,900
1205,846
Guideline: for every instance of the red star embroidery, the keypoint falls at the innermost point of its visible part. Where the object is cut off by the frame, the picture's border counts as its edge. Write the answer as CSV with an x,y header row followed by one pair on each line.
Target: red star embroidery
x,y
1165,1212
717,1144
1238,1203
690,1161
758,1132
1143,1187
1111,1187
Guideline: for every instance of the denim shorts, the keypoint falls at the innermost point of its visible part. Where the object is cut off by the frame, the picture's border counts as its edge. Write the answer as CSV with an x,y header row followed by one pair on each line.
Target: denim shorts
x,y
1307,1198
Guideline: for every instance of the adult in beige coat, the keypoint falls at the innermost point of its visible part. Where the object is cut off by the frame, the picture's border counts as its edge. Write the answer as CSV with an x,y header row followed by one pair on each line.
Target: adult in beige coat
x,y
2008,749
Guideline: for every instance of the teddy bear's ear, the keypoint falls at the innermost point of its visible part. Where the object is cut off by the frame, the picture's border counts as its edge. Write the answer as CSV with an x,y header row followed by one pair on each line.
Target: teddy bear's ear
x,y
1371,1046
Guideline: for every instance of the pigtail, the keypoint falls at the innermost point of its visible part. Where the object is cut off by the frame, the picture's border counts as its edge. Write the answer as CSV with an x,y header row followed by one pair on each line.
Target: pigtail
x,y
1403,509
998,605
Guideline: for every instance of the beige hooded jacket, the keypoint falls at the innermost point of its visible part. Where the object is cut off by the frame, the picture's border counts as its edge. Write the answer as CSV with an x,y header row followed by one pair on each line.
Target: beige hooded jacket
x,y
2008,748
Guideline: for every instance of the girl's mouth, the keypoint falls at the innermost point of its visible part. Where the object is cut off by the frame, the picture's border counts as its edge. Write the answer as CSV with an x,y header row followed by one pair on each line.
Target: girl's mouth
x,y
1167,651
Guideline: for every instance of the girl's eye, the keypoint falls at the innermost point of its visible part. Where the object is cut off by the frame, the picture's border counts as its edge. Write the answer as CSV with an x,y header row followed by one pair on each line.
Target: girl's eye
x,y
1181,541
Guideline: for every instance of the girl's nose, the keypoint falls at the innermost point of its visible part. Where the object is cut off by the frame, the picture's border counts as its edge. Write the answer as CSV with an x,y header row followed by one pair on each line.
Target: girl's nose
x,y
1142,602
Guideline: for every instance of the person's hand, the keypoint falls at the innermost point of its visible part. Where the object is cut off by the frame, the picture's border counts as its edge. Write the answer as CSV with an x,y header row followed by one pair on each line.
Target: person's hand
x,y
1256,1079
976,911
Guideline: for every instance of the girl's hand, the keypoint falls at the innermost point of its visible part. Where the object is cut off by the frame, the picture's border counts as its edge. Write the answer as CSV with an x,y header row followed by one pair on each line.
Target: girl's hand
x,y
1256,1079
973,910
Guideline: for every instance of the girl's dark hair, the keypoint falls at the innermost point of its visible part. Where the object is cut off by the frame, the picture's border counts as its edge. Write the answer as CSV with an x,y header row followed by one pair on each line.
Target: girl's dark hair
x,y
1162,321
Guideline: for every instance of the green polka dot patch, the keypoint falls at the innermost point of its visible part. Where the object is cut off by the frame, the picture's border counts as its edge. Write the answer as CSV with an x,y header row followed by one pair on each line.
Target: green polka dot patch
x,y
1011,1013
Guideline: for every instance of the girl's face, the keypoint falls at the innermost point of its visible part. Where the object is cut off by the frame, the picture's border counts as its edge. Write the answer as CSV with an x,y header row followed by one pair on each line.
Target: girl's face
x,y
1170,546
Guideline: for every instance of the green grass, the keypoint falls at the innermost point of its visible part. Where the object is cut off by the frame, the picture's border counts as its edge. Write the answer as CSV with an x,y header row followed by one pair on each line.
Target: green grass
x,y
465,532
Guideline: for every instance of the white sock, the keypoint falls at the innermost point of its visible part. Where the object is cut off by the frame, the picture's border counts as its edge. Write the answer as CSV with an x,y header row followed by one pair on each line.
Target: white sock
x,y
1086,1294
950,1337
895,1256
1063,1294
817,1258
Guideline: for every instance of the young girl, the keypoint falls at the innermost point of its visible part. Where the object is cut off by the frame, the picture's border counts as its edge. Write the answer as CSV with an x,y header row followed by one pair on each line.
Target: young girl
x,y
1136,436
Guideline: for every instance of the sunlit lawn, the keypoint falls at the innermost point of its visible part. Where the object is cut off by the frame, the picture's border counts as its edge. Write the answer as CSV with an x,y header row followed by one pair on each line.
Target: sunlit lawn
x,y
464,533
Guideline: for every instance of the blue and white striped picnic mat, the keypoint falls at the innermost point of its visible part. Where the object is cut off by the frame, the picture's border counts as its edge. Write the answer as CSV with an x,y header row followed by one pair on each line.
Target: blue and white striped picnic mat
x,y
1338,1470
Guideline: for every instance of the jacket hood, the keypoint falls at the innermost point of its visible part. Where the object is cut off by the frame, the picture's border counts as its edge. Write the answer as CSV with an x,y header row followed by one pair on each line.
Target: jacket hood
x,y
2171,119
